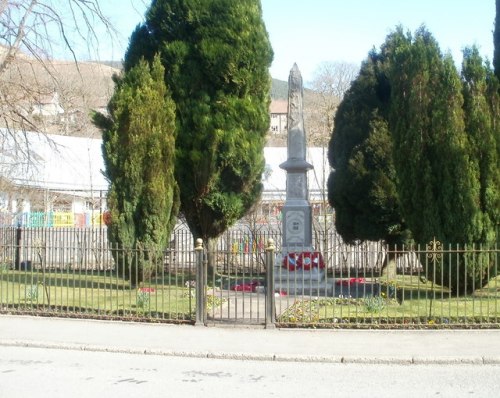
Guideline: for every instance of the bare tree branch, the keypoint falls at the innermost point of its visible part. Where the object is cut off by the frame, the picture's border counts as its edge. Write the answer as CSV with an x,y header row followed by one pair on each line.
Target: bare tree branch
x,y
31,33
19,37
330,82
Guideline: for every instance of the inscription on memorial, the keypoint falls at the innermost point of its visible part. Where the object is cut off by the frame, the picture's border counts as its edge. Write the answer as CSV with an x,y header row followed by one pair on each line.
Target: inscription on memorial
x,y
294,221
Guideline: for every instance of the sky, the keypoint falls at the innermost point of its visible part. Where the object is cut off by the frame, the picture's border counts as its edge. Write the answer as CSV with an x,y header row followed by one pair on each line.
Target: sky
x,y
309,32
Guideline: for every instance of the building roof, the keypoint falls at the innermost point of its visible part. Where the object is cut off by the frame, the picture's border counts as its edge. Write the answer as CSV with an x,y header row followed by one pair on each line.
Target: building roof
x,y
53,162
66,163
279,106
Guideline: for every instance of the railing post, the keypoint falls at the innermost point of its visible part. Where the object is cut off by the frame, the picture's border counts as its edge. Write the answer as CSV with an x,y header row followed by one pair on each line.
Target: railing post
x,y
17,260
200,284
270,301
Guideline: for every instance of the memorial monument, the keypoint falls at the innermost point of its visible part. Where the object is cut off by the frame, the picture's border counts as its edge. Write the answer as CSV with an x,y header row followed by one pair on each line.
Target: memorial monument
x,y
297,214
299,265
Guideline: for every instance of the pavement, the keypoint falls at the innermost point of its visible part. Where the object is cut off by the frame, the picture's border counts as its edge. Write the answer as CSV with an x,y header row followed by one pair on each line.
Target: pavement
x,y
299,345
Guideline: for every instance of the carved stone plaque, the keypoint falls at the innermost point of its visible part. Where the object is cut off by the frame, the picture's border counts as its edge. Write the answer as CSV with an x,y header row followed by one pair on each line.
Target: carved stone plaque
x,y
295,231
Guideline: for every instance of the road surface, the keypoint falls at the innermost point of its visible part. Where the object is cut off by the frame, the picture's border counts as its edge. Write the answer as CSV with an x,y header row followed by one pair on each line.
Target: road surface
x,y
46,372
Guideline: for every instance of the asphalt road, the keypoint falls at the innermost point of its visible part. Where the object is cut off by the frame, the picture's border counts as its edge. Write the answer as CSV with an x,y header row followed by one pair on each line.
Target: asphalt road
x,y
46,372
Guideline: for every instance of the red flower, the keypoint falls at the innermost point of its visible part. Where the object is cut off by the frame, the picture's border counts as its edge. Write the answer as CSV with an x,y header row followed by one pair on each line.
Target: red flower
x,y
245,287
351,281
304,260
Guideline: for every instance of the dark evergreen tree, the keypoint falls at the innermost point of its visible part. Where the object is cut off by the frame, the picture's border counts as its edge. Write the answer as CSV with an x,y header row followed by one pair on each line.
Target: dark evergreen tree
x,y
438,182
496,41
139,155
481,124
482,121
494,100
362,186
415,150
217,55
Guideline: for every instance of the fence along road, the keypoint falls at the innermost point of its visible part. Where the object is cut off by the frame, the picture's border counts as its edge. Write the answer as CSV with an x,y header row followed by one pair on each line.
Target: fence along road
x,y
71,272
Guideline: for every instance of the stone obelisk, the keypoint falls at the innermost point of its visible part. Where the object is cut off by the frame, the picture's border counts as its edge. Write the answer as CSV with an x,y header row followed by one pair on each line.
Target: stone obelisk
x,y
297,214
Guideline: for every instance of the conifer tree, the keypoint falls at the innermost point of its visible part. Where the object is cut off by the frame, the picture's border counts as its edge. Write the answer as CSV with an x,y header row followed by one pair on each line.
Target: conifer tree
x,y
481,124
139,155
216,54
496,41
362,185
441,162
482,120
438,181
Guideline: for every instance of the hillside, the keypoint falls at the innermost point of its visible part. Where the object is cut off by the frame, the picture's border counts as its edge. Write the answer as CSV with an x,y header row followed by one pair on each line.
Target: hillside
x,y
279,89
113,64
58,97
53,96
316,112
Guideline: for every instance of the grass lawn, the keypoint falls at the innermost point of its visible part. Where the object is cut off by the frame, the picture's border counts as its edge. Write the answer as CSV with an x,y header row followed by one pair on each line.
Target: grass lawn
x,y
405,300
171,296
97,293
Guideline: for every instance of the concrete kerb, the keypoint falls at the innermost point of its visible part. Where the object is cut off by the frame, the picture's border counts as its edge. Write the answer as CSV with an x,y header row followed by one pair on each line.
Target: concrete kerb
x,y
243,343
261,357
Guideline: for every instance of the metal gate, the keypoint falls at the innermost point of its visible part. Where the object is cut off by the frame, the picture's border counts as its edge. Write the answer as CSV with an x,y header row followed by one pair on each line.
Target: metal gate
x,y
235,272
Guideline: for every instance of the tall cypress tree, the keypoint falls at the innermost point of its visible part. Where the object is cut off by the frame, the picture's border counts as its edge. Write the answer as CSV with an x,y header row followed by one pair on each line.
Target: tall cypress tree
x,y
139,155
482,130
427,125
437,181
494,102
481,97
444,136
217,55
362,185
496,41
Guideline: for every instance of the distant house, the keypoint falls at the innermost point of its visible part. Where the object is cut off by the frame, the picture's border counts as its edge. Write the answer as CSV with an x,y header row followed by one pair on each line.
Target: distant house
x,y
58,102
278,110
48,105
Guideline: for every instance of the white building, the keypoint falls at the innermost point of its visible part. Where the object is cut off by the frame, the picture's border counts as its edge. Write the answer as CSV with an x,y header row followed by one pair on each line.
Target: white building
x,y
52,174
278,110
64,175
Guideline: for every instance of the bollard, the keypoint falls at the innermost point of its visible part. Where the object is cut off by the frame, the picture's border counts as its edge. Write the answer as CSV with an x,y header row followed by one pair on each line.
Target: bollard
x,y
200,284
270,300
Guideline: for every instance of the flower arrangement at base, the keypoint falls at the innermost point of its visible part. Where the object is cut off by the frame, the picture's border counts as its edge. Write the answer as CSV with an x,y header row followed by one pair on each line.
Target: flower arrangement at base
x,y
303,260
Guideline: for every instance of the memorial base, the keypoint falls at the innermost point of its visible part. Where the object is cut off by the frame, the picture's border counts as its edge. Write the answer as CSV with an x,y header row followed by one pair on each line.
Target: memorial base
x,y
301,282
